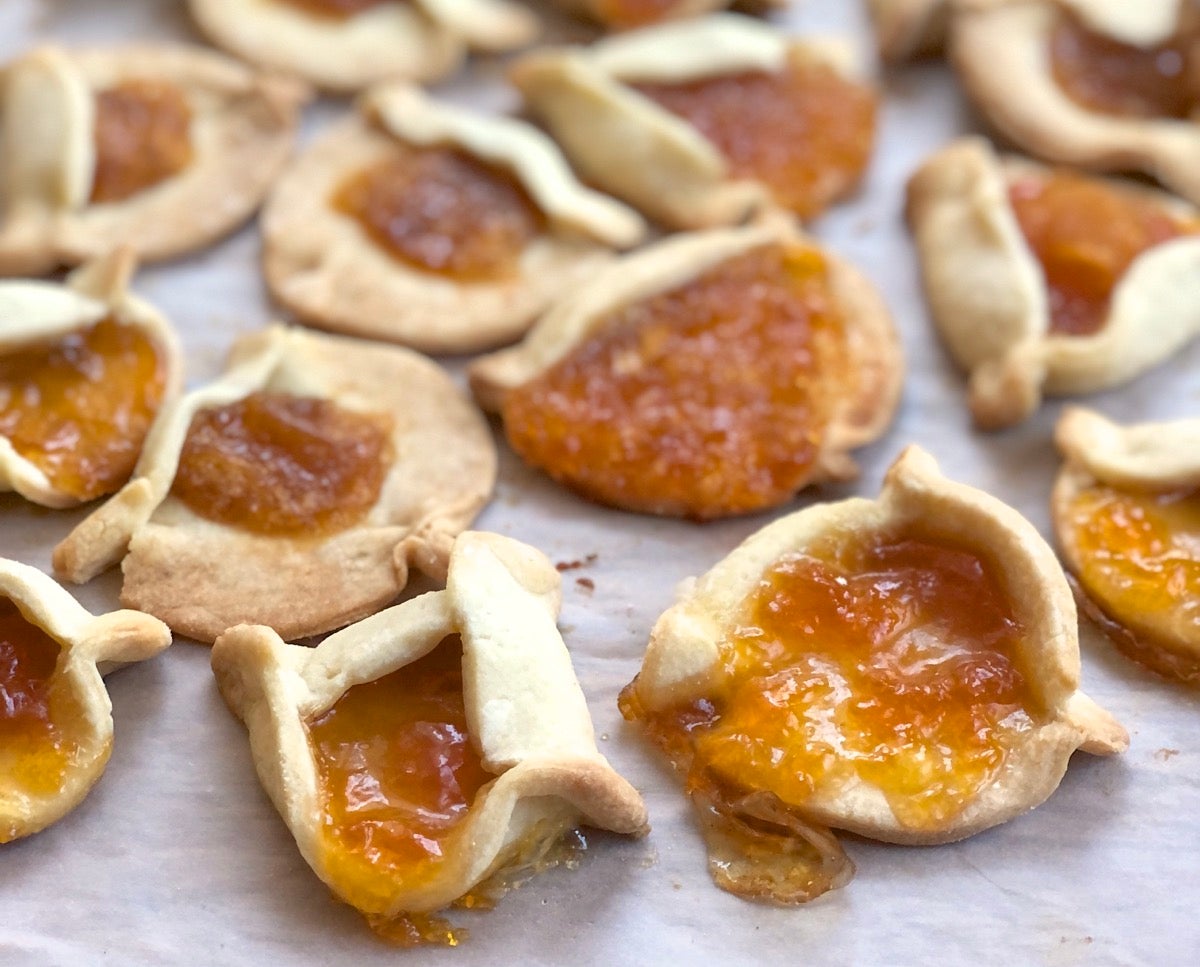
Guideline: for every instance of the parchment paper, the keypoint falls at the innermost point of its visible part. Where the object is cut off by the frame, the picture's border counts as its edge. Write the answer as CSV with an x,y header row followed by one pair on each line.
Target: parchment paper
x,y
177,857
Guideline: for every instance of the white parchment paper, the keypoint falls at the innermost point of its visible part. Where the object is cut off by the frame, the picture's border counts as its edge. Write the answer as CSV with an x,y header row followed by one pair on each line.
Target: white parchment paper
x,y
177,857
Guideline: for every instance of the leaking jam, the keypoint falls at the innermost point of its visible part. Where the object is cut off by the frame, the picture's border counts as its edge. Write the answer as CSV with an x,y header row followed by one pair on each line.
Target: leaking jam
x,y
333,9
142,136
706,400
40,718
79,408
891,661
626,14
1086,233
805,131
441,210
274,463
1139,564
1111,77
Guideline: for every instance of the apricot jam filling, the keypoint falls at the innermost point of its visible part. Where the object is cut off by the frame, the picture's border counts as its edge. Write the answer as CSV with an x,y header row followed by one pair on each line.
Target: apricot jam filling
x,y
284,465
142,136
1111,77
805,131
40,718
1139,564
397,775
79,409
1086,234
625,14
333,9
441,210
708,399
890,660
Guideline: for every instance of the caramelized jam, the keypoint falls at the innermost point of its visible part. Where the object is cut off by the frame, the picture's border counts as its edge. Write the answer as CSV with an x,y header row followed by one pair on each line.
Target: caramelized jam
x,y
806,131
39,717
79,409
1111,77
626,14
893,661
1140,566
273,463
142,134
705,400
397,775
441,210
333,9
1086,233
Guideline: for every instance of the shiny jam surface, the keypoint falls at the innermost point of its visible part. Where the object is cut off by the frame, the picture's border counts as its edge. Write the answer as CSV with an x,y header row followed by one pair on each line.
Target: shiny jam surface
x,y
706,400
397,775
273,463
441,210
333,9
893,660
1111,77
1086,233
79,409
37,714
624,14
1140,565
142,135
806,131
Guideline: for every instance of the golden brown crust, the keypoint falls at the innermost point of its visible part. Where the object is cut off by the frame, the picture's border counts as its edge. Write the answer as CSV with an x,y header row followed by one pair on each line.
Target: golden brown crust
x,y
908,29
684,652
525,711
322,265
202,577
91,646
987,292
242,129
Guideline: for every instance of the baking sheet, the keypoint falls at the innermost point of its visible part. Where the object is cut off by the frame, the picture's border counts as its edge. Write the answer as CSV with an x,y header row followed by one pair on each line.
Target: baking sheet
x,y
177,857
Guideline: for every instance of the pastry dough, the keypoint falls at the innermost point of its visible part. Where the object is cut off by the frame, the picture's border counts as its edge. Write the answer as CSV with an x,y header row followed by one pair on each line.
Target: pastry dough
x,y
241,130
47,772
1127,516
526,719
905,29
624,142
39,314
321,263
1001,49
729,641
202,577
392,41
862,404
987,291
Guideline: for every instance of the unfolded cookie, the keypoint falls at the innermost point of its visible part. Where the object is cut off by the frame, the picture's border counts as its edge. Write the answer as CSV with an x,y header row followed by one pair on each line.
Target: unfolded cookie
x,y
344,45
905,29
906,669
1109,85
430,225
432,747
701,122
295,491
710,374
1127,514
55,713
1044,281
84,367
163,148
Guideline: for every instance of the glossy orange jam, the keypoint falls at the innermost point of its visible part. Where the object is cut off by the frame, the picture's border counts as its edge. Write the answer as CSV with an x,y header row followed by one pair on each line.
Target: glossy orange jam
x,y
626,14
706,400
1086,233
273,463
894,661
142,135
79,408
1139,564
441,210
39,717
1112,77
397,774
333,9
806,131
